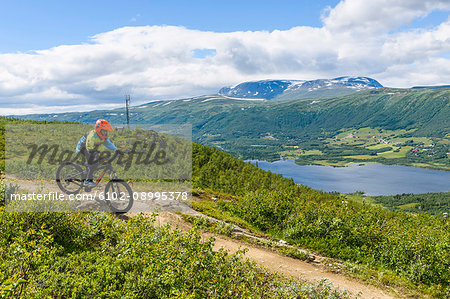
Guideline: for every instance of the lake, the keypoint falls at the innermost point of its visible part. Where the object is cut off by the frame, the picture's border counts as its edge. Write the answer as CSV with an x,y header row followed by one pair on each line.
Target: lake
x,y
372,178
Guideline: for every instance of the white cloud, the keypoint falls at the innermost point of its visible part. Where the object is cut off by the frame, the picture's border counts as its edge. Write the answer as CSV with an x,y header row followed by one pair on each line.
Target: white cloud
x,y
158,62
33,109
378,15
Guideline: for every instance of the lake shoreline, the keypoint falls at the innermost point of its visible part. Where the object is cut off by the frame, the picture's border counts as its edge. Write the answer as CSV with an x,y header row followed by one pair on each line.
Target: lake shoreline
x,y
370,177
324,163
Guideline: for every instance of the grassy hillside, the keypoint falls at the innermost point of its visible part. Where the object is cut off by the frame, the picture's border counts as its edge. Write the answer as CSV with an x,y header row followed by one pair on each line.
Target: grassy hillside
x,y
9,120
58,255
398,248
265,129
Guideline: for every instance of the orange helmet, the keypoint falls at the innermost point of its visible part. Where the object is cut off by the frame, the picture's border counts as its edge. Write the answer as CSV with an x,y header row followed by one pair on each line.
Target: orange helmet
x,y
102,127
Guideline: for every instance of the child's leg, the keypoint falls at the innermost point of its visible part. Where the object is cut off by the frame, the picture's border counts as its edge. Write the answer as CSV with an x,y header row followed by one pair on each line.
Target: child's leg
x,y
92,158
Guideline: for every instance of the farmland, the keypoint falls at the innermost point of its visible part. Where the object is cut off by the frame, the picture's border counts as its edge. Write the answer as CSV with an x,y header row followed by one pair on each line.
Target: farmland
x,y
372,145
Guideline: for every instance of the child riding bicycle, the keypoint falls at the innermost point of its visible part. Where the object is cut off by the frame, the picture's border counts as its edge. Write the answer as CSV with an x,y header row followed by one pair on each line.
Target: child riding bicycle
x,y
88,146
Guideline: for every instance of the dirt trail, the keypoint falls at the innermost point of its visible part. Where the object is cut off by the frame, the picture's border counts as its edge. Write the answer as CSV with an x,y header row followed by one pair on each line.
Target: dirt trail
x,y
262,256
282,264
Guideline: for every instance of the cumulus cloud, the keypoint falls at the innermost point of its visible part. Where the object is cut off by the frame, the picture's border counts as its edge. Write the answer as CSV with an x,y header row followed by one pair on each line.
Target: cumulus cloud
x,y
378,16
160,62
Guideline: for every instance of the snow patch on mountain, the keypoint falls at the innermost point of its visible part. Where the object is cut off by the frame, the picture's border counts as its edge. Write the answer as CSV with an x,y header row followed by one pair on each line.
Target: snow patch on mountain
x,y
269,89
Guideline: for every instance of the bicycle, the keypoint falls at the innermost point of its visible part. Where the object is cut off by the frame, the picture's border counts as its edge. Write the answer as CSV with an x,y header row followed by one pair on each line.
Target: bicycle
x,y
71,177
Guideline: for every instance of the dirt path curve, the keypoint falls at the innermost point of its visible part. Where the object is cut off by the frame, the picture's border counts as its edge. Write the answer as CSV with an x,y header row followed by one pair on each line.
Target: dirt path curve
x,y
282,264
262,256
299,269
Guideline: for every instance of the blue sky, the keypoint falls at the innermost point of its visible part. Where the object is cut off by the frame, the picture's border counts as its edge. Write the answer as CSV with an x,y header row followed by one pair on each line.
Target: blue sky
x,y
33,25
82,55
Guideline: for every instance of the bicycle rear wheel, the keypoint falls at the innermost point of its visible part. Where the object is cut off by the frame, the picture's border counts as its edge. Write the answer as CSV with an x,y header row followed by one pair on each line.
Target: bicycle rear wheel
x,y
119,196
70,177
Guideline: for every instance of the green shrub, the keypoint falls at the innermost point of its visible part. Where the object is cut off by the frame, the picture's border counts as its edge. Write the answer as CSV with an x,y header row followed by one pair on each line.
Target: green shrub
x,y
415,247
97,255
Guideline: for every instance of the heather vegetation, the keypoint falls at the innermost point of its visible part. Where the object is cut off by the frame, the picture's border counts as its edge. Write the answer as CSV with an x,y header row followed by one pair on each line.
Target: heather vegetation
x,y
95,254
99,255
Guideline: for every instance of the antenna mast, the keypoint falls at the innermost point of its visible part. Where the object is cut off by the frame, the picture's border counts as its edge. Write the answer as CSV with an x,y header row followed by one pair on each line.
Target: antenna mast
x,y
127,103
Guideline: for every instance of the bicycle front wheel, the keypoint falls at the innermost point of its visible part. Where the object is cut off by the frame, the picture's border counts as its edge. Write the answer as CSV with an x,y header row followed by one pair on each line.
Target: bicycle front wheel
x,y
119,196
69,177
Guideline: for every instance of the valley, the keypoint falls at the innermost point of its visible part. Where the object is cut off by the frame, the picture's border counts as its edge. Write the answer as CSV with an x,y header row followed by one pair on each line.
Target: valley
x,y
383,125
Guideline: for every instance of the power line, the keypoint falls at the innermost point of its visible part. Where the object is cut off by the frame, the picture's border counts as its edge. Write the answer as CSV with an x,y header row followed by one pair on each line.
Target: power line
x,y
127,103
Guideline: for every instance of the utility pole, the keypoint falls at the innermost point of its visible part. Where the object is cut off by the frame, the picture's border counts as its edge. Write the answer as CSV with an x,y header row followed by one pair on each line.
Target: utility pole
x,y
127,103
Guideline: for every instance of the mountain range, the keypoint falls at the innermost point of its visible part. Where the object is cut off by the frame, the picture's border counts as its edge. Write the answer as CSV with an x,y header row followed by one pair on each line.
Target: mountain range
x,y
251,127
218,117
299,89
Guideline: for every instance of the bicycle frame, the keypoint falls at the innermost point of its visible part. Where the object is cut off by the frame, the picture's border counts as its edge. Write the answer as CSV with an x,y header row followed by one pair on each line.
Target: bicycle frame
x,y
106,168
79,177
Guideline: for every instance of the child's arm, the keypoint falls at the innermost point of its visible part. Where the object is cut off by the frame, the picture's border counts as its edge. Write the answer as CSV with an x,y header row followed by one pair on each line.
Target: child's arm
x,y
80,143
109,145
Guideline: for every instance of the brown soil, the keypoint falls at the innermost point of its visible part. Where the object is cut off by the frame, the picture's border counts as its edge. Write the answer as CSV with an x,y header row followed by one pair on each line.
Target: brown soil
x,y
278,263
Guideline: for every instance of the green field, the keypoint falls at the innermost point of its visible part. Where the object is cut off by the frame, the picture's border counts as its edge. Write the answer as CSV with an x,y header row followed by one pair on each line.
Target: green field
x,y
408,206
375,145
378,146
359,157
396,152
293,154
